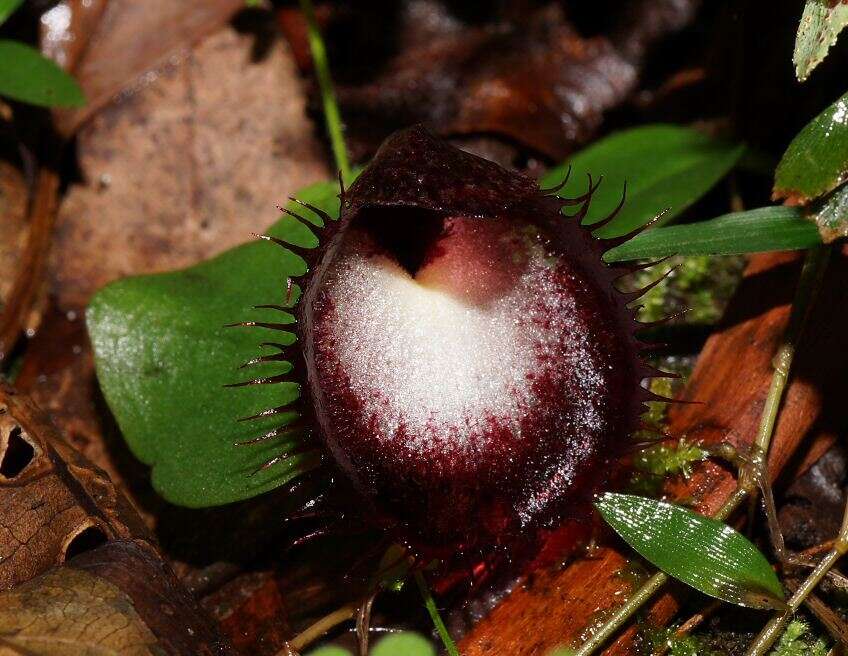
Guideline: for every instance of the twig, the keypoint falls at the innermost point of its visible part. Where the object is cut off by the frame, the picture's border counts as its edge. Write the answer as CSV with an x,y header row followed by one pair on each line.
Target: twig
x,y
811,275
332,116
430,603
831,620
363,624
319,628
817,549
33,263
691,624
771,632
622,614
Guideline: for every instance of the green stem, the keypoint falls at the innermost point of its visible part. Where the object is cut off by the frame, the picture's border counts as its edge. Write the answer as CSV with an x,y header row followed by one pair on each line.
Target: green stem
x,y
319,628
622,614
332,116
430,603
772,631
811,275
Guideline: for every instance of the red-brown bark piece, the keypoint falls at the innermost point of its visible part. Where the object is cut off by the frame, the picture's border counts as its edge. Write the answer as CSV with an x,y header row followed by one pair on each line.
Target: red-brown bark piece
x,y
729,386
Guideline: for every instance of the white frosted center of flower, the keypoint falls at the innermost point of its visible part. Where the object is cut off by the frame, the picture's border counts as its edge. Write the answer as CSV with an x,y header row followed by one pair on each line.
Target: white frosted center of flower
x,y
437,365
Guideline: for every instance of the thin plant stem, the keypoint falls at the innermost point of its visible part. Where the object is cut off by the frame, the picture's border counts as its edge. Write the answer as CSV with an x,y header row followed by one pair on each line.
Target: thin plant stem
x,y
332,116
772,631
808,285
430,604
319,628
623,613
690,625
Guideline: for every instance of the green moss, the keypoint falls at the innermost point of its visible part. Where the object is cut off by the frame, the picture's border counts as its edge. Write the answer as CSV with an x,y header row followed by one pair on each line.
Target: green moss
x,y
653,464
799,640
701,284
667,460
664,639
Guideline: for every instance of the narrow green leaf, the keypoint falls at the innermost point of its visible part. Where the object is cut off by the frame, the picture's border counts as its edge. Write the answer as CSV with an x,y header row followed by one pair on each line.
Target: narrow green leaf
x,y
7,8
700,551
831,214
821,23
163,357
816,161
28,76
754,231
435,616
665,167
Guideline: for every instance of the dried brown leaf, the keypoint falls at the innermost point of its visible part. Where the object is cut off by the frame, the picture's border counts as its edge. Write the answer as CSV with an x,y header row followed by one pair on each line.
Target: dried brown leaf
x,y
68,612
526,75
53,503
185,167
108,46
118,599
537,82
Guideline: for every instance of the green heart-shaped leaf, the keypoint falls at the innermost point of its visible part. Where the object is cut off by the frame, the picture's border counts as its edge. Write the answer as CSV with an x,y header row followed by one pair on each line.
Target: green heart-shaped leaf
x,y
666,167
163,356
405,643
703,552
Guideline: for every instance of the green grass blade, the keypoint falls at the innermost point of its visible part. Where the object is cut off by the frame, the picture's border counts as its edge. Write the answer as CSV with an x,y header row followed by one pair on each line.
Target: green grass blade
x,y
435,616
754,231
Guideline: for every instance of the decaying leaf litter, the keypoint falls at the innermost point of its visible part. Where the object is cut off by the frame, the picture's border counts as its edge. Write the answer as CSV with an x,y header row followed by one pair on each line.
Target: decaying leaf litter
x,y
164,132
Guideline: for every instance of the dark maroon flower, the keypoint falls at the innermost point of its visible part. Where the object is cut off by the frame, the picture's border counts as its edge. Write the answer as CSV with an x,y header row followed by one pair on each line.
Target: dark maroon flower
x,y
470,367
